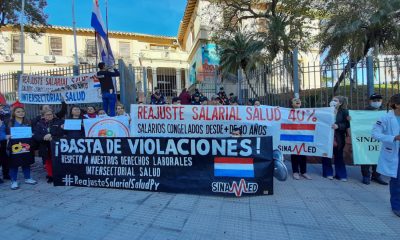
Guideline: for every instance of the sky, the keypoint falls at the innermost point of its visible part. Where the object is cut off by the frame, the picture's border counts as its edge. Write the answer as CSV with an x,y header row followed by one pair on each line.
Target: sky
x,y
158,17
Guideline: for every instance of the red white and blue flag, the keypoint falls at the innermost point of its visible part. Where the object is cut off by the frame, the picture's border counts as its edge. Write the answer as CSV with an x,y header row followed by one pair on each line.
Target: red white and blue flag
x,y
233,167
103,43
297,132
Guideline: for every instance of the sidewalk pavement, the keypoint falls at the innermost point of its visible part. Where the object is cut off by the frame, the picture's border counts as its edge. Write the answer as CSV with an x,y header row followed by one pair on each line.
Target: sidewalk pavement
x,y
304,209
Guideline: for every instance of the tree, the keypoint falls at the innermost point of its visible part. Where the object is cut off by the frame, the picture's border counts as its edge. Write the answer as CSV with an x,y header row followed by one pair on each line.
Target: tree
x,y
281,24
10,11
355,27
240,51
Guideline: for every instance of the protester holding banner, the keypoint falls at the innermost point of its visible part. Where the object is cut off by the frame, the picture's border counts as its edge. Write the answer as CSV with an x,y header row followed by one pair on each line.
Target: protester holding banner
x,y
387,131
108,89
299,162
341,125
4,161
196,99
157,98
47,129
375,104
2,139
101,113
43,108
75,115
185,97
90,112
19,146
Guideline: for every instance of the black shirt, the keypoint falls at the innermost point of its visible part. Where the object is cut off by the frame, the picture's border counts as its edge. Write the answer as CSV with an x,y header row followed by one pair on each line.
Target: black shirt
x,y
106,81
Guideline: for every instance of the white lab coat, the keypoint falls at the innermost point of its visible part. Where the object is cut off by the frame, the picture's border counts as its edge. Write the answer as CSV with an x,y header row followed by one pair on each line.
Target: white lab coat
x,y
385,130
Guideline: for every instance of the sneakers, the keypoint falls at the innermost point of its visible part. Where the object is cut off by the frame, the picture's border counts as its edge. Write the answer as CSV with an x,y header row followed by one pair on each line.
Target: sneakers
x,y
330,177
343,179
30,181
50,179
366,180
306,176
296,176
379,180
14,185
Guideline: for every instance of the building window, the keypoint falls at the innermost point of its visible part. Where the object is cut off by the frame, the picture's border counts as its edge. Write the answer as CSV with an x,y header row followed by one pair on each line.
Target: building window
x,y
125,50
90,48
16,47
55,46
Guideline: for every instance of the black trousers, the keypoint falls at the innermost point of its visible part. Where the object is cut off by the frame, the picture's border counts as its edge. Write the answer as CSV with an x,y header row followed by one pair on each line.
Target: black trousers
x,y
366,173
299,162
4,161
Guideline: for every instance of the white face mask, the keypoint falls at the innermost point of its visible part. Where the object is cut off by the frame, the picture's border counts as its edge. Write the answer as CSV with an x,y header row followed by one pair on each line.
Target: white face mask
x,y
376,104
333,104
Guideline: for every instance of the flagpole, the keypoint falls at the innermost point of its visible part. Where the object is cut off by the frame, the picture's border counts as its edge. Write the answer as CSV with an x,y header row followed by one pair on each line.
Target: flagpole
x,y
107,17
76,66
22,40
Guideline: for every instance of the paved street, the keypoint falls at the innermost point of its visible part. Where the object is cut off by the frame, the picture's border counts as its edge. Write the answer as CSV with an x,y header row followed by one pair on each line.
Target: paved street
x,y
317,209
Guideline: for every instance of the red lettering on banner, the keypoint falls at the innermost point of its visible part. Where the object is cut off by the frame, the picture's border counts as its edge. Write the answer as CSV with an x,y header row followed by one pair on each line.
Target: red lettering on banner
x,y
263,114
56,81
160,112
218,113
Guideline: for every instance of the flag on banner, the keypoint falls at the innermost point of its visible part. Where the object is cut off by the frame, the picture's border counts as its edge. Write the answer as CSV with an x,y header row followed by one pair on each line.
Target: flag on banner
x,y
233,167
103,43
297,132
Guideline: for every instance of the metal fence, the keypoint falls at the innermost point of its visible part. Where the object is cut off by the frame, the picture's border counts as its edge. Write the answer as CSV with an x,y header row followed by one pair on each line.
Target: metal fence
x,y
9,86
275,84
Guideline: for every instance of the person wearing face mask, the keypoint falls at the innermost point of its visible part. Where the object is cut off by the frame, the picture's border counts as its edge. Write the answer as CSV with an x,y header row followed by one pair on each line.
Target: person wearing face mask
x,y
375,104
47,129
341,125
387,131
299,162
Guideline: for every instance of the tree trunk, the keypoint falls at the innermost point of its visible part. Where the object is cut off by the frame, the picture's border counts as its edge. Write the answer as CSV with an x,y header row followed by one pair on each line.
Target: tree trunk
x,y
350,65
249,84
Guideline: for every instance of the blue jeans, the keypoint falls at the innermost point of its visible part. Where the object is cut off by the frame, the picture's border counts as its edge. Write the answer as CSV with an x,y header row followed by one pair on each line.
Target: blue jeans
x,y
109,100
340,167
395,190
14,173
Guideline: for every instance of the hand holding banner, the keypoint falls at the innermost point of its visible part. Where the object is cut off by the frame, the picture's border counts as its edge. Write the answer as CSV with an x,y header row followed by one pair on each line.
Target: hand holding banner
x,y
365,148
21,132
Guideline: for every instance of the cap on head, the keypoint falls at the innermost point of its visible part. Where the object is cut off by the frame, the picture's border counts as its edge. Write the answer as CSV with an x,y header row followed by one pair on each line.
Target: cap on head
x,y
101,65
17,104
375,96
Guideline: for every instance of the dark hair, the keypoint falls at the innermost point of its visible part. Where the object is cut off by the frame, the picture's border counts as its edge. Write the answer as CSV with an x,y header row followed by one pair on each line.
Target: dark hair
x,y
291,101
70,111
25,121
395,99
343,102
175,99
101,65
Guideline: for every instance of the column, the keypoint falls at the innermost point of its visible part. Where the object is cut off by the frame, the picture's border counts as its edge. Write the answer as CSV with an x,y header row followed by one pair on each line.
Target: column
x,y
154,70
178,81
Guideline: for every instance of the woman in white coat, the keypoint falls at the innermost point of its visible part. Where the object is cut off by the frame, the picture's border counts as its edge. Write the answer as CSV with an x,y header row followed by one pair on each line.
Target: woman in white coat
x,y
387,131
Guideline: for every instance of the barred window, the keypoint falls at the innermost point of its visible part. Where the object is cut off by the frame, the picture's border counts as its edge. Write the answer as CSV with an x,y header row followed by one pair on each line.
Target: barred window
x,y
125,49
90,48
55,46
16,47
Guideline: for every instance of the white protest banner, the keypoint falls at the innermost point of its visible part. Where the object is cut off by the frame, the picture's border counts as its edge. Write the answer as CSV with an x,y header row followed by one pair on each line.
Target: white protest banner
x,y
305,131
84,88
72,124
365,148
20,132
106,127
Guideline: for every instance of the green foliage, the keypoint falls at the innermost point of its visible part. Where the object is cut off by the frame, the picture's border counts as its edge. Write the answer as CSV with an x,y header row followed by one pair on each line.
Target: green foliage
x,y
240,51
10,11
281,24
356,26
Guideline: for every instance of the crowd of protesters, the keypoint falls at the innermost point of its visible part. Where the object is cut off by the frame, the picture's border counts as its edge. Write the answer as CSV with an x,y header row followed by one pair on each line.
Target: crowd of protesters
x,y
49,125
